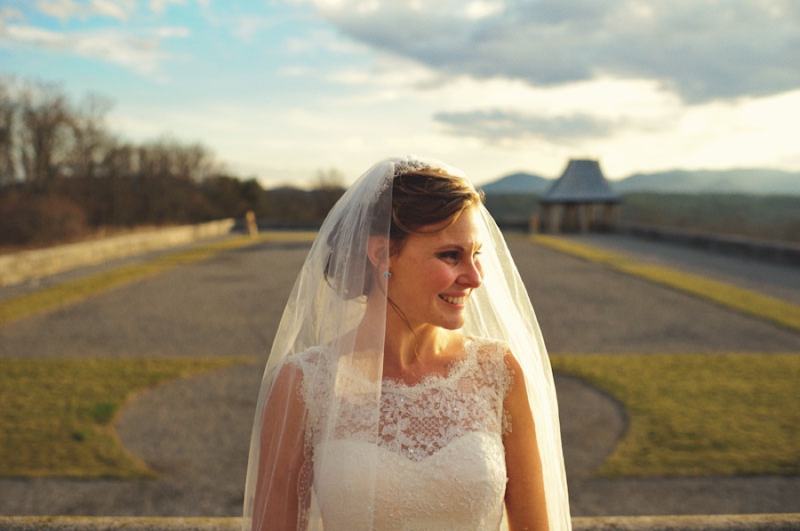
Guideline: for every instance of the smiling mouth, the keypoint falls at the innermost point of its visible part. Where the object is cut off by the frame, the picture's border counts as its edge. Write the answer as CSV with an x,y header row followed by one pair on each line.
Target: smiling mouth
x,y
459,301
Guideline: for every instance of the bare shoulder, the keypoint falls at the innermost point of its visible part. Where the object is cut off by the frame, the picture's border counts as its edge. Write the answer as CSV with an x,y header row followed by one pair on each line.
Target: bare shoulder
x,y
513,365
517,395
287,381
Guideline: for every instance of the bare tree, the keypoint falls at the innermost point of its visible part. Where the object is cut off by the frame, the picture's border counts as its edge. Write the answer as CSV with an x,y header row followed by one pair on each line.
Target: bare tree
x,y
45,133
194,162
119,159
330,179
90,135
8,112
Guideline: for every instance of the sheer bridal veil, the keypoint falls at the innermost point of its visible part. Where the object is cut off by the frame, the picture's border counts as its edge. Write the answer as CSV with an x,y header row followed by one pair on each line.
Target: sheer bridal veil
x,y
328,308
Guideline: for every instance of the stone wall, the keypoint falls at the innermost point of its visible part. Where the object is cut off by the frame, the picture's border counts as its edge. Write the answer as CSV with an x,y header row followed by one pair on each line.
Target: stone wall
x,y
27,265
752,522
771,251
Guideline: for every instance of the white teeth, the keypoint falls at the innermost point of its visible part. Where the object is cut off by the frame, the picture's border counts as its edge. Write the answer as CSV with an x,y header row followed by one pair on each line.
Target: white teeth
x,y
454,300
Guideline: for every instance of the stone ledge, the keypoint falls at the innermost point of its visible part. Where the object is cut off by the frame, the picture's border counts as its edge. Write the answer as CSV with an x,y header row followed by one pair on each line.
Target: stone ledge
x,y
735,522
771,251
28,265
111,523
727,522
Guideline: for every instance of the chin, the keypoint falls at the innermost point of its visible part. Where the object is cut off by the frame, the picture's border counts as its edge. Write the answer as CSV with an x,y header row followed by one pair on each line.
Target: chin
x,y
452,325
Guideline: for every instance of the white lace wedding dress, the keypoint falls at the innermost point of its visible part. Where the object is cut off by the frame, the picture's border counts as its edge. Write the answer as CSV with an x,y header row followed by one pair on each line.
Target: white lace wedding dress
x,y
439,451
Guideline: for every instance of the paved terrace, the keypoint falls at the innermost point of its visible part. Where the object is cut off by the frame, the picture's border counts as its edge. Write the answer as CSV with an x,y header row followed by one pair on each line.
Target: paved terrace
x,y
194,432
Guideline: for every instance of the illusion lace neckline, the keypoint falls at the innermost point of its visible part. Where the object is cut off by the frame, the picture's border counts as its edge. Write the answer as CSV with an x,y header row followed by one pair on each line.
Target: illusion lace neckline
x,y
454,369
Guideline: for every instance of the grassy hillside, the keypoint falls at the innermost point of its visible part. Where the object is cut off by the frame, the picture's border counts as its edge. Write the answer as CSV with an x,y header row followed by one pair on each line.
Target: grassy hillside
x,y
768,217
758,181
772,217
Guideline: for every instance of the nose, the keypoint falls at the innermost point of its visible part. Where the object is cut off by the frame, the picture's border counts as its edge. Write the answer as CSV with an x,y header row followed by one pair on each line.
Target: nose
x,y
472,275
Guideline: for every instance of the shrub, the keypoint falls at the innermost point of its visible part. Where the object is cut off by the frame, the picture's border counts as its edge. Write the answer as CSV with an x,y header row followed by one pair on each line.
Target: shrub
x,y
32,219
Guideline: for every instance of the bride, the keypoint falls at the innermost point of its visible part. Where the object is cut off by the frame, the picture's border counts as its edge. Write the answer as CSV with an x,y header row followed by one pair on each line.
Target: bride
x,y
408,387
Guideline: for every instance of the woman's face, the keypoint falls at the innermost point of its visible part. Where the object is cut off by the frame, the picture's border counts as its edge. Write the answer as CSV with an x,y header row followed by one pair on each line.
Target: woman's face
x,y
434,274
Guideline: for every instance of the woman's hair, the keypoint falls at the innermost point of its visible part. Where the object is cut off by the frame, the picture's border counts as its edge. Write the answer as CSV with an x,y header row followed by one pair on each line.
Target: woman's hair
x,y
420,199
427,198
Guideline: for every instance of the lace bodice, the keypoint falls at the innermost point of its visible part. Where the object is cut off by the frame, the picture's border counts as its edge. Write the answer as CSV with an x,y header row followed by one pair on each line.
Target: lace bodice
x,y
438,444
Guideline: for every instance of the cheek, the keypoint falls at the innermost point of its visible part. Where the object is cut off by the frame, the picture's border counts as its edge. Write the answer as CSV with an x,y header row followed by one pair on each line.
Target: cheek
x,y
440,276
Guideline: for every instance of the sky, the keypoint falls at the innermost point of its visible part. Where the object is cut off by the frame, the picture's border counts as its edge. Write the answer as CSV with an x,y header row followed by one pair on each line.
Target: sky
x,y
283,89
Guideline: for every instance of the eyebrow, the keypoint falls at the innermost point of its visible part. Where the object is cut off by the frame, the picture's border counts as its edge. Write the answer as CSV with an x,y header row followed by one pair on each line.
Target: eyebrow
x,y
457,246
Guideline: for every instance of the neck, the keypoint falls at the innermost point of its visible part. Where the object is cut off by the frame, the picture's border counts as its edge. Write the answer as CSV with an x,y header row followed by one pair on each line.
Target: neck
x,y
407,345
403,346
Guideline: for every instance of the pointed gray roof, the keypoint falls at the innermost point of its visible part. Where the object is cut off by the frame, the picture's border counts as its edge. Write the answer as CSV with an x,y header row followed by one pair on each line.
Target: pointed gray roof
x,y
582,181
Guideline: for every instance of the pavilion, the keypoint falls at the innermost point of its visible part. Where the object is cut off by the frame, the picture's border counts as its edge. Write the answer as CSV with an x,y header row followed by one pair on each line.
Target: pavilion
x,y
581,200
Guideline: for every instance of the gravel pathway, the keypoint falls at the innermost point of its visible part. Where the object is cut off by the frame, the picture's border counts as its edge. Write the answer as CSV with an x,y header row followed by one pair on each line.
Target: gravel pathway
x,y
195,432
776,280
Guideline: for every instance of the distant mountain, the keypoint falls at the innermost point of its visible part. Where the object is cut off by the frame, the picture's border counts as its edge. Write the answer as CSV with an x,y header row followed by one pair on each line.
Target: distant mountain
x,y
738,181
518,183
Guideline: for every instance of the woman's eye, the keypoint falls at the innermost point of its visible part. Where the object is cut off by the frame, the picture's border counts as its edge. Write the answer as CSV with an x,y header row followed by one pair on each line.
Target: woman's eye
x,y
449,255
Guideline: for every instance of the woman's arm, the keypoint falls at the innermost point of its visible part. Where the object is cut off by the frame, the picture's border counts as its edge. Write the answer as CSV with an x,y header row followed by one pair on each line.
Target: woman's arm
x,y
525,500
281,455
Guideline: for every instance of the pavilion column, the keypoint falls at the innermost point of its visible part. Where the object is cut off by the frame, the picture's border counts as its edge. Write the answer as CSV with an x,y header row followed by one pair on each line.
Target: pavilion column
x,y
584,217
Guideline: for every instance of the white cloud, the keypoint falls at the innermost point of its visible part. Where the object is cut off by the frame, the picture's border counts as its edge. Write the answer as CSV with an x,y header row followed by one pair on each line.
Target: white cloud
x,y
506,124
393,73
701,49
67,9
119,9
61,9
759,132
298,45
323,40
167,32
488,85
139,54
33,35
499,126
279,142
482,8
295,71
246,27
159,6
10,13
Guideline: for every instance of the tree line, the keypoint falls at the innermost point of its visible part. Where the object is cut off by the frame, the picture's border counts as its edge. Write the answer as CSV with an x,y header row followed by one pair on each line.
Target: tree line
x,y
64,175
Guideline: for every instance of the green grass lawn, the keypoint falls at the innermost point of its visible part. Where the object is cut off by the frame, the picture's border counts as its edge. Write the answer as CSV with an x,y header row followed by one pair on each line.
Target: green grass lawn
x,y
689,414
699,414
56,415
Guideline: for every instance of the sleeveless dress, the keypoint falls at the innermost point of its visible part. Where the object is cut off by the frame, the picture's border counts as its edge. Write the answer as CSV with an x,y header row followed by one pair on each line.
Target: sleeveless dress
x,y
438,452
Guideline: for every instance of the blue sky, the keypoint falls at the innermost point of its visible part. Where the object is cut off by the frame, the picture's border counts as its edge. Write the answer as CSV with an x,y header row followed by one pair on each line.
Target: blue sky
x,y
282,89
